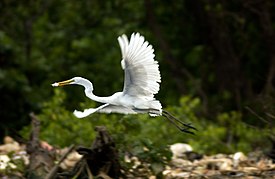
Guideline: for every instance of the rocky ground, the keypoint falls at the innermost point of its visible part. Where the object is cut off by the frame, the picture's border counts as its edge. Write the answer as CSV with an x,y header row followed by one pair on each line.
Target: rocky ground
x,y
238,165
185,163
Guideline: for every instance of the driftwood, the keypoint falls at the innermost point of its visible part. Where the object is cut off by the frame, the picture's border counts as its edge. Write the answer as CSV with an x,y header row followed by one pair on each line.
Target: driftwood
x,y
53,173
41,160
101,160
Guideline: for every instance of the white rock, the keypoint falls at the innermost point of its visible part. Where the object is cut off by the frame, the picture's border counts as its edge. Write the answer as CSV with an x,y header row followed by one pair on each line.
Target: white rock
x,y
237,158
8,140
178,162
71,160
179,149
10,147
4,160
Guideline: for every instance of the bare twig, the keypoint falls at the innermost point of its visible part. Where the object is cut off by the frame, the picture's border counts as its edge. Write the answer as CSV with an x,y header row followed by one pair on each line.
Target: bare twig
x,y
53,171
270,115
255,114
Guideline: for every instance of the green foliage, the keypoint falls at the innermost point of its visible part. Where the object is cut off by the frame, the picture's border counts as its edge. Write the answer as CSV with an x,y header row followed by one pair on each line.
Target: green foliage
x,y
58,125
228,134
133,132
218,51
14,165
145,137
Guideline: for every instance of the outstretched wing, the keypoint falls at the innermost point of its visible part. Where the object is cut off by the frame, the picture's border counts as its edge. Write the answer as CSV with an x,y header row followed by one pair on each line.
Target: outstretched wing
x,y
117,109
106,108
141,71
89,111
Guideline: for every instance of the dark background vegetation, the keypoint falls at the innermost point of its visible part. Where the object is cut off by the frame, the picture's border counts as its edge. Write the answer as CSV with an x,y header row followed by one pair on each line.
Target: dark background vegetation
x,y
217,60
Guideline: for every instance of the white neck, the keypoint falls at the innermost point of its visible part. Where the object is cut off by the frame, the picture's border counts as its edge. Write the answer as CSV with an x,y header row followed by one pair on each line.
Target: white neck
x,y
89,91
96,98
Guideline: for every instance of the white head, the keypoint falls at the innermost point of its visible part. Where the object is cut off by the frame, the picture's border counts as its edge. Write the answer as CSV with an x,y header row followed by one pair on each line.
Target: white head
x,y
77,81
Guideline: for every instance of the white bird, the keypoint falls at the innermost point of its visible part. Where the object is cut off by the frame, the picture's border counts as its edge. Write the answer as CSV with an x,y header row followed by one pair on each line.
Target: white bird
x,y
141,83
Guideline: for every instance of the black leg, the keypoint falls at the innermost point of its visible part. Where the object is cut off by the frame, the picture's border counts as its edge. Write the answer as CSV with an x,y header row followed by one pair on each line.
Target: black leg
x,y
176,122
179,121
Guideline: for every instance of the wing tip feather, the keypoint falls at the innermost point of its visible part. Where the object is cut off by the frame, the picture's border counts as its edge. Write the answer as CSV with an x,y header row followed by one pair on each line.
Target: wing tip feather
x,y
139,54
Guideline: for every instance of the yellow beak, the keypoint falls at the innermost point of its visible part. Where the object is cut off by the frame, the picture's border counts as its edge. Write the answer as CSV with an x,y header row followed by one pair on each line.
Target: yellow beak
x,y
62,83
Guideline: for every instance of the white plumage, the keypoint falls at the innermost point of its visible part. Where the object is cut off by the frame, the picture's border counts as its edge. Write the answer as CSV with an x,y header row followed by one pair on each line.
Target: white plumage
x,y
141,83
142,76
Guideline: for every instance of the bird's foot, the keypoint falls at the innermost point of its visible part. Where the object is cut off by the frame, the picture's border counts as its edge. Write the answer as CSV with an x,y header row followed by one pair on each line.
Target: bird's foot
x,y
187,128
179,124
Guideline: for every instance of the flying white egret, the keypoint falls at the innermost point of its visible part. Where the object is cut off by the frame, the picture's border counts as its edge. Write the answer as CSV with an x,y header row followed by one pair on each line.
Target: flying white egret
x,y
141,83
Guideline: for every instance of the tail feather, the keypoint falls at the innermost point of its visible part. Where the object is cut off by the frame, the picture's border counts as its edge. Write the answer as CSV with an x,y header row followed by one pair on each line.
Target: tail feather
x,y
156,105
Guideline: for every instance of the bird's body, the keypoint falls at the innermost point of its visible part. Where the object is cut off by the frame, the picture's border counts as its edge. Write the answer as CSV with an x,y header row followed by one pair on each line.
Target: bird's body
x,y
141,83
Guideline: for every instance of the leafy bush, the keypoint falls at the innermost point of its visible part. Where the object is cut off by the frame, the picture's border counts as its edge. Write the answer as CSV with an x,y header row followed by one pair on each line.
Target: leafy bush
x,y
58,126
227,133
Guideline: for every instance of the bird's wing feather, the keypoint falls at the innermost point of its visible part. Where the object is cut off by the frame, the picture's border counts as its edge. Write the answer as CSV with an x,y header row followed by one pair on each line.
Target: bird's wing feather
x,y
89,111
106,108
141,71
117,109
